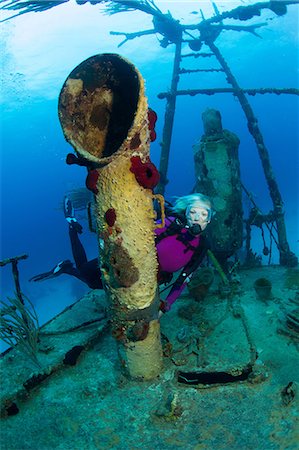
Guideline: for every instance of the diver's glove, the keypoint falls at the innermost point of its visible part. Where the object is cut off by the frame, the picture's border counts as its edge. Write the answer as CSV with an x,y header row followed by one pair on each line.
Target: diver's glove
x,y
74,224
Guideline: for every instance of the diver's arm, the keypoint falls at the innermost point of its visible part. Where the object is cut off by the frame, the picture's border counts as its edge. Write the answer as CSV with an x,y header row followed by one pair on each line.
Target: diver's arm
x,y
185,276
175,292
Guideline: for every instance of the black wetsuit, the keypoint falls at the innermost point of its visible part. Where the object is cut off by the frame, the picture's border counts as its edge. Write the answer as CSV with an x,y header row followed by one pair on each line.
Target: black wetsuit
x,y
87,271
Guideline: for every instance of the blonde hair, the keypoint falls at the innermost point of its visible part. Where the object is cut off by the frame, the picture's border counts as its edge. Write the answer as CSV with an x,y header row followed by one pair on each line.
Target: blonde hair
x,y
182,203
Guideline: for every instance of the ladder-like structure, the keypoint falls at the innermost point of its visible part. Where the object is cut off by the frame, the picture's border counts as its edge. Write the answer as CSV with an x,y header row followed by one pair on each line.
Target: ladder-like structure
x,y
203,33
287,258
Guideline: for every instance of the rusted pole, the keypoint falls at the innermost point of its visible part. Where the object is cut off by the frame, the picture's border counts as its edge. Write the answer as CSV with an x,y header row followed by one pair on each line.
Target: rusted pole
x,y
169,119
212,91
15,271
287,258
14,258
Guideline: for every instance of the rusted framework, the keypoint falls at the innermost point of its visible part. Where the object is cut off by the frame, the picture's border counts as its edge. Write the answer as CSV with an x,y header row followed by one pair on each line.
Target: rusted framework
x,y
206,32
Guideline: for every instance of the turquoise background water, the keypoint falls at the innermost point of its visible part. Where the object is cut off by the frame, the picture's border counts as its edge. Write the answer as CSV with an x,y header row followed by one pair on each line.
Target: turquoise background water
x,y
39,50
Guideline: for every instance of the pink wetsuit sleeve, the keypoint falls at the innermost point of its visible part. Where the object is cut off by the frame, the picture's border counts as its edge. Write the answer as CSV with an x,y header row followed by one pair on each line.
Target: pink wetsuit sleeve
x,y
168,221
185,275
173,295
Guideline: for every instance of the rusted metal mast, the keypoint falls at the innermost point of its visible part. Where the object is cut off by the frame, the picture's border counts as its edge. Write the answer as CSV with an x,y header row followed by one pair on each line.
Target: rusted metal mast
x,y
207,32
287,258
169,119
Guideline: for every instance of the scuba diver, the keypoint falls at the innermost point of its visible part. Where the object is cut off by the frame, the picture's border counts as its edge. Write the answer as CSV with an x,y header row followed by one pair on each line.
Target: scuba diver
x,y
181,245
87,271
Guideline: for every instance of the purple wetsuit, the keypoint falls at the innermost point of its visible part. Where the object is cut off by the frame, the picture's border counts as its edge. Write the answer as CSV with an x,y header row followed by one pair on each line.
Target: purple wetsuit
x,y
177,251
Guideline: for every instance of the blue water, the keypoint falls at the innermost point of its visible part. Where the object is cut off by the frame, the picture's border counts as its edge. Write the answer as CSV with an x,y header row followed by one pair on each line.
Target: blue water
x,y
39,51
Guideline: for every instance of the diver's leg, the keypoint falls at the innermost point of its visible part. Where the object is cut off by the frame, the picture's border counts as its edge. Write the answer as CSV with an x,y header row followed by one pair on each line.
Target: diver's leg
x,y
65,266
74,229
77,248
91,274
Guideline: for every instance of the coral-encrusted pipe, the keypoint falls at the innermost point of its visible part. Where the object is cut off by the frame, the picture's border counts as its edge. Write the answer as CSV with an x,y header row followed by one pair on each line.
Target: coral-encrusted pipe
x,y
104,115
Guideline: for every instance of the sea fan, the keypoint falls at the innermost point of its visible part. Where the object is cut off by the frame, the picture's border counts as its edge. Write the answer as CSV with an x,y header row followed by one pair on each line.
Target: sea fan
x,y
117,6
19,327
28,6
112,7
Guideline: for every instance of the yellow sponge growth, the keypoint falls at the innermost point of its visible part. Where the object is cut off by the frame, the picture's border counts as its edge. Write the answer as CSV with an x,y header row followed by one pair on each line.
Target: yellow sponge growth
x,y
104,115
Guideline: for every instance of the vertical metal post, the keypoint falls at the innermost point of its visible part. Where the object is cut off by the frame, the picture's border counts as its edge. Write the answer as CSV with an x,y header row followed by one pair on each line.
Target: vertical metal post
x,y
15,271
169,119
